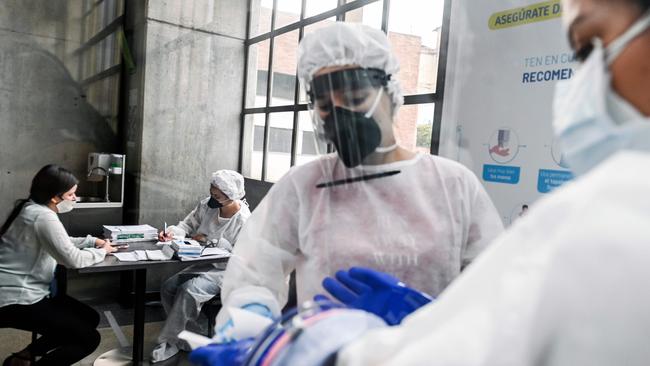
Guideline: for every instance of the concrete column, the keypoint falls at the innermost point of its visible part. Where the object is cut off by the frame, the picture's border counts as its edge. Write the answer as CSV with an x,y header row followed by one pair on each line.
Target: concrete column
x,y
185,108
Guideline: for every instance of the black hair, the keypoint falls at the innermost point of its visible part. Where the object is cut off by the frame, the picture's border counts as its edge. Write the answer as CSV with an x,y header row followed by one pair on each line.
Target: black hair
x,y
52,180
644,4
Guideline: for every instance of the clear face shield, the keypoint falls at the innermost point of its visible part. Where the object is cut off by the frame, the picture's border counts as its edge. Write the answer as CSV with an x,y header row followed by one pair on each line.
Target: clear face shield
x,y
351,112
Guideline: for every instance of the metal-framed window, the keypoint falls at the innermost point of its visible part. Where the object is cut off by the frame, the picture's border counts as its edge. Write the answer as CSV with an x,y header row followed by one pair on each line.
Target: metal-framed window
x,y
275,125
99,56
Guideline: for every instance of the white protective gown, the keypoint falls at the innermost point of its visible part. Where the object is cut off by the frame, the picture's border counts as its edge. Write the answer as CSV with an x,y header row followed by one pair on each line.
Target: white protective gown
x,y
422,225
183,294
205,220
566,285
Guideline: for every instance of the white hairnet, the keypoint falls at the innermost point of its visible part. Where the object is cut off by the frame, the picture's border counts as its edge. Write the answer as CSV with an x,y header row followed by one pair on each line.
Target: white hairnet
x,y
230,183
348,44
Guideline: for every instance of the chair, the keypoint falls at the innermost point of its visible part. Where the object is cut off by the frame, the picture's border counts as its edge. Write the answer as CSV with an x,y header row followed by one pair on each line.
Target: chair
x,y
211,309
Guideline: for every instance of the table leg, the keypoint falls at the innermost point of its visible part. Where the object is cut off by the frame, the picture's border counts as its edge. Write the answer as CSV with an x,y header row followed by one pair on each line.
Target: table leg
x,y
126,289
138,321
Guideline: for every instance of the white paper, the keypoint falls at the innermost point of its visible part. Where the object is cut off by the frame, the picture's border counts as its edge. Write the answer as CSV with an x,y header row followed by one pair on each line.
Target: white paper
x,y
215,252
157,255
168,251
130,228
194,340
143,255
246,323
207,253
126,256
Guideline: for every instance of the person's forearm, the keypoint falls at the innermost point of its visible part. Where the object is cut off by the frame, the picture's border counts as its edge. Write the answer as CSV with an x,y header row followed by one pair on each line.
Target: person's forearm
x,y
85,242
60,246
178,230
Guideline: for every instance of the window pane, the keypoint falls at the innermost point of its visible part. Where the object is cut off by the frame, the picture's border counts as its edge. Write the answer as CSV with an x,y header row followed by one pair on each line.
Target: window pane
x,y
308,148
302,94
315,7
258,64
284,68
413,127
369,15
278,160
288,12
323,23
261,17
258,138
414,33
253,144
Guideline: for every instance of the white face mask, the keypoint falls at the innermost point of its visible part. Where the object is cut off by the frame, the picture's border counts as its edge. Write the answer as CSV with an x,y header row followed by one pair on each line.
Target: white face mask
x,y
65,206
591,120
620,109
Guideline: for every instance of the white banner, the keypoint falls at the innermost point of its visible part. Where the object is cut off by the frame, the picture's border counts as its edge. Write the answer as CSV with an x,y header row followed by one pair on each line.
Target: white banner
x,y
504,59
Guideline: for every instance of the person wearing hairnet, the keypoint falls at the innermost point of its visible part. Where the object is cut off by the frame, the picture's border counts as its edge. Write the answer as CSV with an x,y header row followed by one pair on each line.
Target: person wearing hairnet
x,y
216,221
567,283
371,203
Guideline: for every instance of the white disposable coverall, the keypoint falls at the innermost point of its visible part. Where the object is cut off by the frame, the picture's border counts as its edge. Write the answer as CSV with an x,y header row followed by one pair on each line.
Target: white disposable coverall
x,y
422,225
566,285
203,220
183,294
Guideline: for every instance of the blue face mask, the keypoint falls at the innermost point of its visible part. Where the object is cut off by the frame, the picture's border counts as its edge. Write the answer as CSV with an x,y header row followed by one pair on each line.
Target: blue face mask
x,y
591,121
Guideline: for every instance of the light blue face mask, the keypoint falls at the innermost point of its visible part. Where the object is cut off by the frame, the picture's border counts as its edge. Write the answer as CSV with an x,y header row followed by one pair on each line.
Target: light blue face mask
x,y
591,121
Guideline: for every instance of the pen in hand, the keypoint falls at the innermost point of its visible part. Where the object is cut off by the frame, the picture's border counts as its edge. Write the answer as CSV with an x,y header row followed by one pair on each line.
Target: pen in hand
x,y
163,235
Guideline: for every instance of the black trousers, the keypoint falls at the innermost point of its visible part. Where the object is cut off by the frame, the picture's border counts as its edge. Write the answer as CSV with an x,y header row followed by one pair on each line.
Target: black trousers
x,y
68,328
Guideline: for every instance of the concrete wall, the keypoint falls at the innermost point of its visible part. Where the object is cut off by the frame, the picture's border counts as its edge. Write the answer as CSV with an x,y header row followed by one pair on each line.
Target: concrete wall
x,y
135,29
44,117
190,103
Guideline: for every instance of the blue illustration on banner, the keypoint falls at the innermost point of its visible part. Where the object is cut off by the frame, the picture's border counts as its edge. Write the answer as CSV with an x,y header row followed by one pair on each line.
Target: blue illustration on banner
x,y
547,180
501,173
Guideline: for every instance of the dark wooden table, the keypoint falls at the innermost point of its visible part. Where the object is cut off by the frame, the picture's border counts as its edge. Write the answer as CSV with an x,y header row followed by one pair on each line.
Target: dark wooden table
x,y
140,268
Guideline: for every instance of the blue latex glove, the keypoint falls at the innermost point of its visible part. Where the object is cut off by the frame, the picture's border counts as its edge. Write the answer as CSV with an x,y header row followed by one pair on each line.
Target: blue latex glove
x,y
223,354
375,292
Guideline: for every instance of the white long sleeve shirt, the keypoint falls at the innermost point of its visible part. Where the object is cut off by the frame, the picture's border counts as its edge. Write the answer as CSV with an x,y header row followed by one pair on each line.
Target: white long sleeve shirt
x,y
422,225
30,249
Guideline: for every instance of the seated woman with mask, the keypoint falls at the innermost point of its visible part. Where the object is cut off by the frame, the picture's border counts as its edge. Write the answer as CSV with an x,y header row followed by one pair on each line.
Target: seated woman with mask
x,y
32,242
216,220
